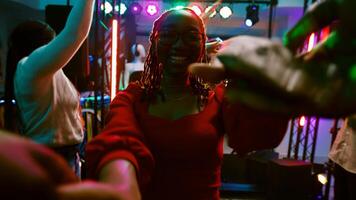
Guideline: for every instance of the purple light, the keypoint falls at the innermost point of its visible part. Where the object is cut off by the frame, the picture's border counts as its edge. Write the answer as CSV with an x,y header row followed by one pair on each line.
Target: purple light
x,y
152,9
135,8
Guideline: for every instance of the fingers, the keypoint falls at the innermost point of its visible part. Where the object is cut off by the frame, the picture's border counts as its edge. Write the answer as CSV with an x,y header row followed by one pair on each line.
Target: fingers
x,y
213,47
210,73
318,16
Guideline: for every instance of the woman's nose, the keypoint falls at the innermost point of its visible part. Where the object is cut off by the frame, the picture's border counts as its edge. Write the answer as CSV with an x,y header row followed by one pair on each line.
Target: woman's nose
x,y
179,43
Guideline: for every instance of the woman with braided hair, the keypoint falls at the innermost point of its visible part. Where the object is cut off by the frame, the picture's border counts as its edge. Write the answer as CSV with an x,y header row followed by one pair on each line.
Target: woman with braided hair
x,y
164,134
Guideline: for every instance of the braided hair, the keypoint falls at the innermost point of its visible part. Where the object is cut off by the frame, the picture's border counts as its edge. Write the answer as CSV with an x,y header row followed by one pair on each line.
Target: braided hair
x,y
153,70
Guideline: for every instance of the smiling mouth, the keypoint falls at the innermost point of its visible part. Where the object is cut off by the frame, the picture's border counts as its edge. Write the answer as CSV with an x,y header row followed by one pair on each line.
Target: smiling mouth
x,y
178,59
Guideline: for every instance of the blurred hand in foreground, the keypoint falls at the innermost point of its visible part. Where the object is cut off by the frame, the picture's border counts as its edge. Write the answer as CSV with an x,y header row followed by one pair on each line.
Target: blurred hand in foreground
x,y
268,76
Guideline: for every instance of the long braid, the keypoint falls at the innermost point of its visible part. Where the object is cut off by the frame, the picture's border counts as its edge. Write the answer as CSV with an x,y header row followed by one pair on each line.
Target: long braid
x,y
153,71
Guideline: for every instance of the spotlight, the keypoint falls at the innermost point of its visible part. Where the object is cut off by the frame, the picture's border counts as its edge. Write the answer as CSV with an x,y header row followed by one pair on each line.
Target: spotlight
x,y
151,9
123,8
225,12
251,15
107,7
135,8
322,179
196,9
302,121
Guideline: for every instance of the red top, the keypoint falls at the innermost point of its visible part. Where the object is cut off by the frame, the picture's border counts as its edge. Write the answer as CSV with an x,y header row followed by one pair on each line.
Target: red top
x,y
180,159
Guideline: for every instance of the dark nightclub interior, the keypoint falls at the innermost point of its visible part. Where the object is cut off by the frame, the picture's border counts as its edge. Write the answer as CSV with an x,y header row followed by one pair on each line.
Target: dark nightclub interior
x,y
177,99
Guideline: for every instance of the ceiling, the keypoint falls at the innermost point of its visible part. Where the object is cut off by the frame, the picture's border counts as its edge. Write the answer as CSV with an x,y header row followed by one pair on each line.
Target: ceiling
x,y
40,4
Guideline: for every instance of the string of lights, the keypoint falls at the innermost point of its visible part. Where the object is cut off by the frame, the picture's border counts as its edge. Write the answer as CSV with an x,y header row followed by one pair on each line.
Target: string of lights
x,y
225,11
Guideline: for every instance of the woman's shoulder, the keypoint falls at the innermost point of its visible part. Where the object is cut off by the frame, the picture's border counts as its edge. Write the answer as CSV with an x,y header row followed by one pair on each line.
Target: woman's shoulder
x,y
134,87
133,91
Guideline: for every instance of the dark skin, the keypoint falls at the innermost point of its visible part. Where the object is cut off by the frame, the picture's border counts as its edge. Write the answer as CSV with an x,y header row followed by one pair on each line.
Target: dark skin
x,y
180,102
178,45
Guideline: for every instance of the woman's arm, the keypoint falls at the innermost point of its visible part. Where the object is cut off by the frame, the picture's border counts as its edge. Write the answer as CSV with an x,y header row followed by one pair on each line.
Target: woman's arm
x,y
121,174
119,154
46,60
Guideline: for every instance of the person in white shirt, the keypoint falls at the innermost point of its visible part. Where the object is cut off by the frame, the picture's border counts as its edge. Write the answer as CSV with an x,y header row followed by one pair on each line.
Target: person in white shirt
x,y
48,103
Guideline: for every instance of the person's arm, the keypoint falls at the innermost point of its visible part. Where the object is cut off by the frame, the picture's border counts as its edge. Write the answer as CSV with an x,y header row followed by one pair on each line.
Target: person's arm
x,y
119,154
29,170
46,60
121,174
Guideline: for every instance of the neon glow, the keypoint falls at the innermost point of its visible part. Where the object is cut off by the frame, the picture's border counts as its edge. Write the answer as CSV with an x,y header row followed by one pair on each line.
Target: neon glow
x,y
225,12
352,72
311,42
152,9
322,179
208,9
123,8
178,7
114,58
325,33
135,8
107,7
196,9
302,121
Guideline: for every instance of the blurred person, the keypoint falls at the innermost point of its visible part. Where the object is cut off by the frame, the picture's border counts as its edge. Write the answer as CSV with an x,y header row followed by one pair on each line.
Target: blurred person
x,y
47,102
134,69
164,135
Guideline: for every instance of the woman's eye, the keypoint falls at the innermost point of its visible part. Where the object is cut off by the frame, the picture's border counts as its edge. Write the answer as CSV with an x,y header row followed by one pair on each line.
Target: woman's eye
x,y
194,35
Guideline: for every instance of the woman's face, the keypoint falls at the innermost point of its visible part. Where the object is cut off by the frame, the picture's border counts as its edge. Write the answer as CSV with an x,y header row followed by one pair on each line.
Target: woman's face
x,y
179,42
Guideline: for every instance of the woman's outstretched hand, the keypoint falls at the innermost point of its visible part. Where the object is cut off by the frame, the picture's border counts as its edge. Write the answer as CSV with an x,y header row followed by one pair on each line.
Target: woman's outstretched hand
x,y
266,76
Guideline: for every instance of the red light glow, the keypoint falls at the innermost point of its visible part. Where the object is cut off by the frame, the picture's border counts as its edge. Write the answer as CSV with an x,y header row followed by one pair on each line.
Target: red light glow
x,y
114,58
302,121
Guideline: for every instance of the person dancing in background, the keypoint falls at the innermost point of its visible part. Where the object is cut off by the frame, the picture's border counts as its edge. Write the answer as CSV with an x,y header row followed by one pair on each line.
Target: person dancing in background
x,y
163,136
48,103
